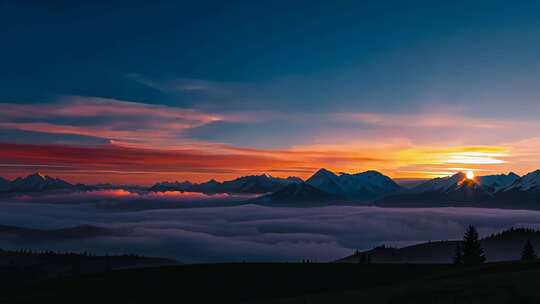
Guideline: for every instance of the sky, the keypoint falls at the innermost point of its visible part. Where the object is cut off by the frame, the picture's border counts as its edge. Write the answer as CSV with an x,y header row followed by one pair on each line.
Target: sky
x,y
138,92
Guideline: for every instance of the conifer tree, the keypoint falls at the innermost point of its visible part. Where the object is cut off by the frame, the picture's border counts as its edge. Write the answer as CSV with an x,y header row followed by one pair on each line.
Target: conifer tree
x,y
473,253
458,257
528,253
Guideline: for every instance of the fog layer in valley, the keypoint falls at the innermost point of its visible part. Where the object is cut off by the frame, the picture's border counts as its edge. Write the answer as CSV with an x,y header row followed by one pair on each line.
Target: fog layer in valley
x,y
248,232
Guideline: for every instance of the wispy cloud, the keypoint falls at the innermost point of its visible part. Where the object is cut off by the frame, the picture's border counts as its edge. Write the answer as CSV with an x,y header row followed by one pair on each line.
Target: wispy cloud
x,y
432,120
104,118
187,84
111,139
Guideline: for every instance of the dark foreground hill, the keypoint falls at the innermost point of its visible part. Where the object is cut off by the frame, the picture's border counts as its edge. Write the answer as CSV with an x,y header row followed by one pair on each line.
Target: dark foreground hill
x,y
25,267
504,246
214,283
292,283
496,283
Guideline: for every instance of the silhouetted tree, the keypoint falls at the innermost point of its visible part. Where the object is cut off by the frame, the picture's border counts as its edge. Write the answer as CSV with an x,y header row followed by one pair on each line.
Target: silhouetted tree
x,y
458,257
473,253
528,253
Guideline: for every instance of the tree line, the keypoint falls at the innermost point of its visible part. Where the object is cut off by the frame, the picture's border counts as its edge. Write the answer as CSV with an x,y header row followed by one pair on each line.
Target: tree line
x,y
469,251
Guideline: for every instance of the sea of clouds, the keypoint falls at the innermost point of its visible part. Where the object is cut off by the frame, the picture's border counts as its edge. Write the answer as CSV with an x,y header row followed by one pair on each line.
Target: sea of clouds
x,y
250,232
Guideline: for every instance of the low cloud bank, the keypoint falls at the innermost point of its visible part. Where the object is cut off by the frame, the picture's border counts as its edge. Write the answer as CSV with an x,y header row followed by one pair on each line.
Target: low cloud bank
x,y
253,233
123,195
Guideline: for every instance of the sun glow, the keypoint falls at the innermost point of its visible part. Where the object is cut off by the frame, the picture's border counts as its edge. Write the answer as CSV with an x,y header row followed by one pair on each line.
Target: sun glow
x,y
470,174
479,158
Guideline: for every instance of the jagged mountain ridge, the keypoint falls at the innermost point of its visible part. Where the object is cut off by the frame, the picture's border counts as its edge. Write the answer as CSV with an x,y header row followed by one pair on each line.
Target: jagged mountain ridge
x,y
360,186
494,191
495,183
37,182
446,191
333,188
529,182
252,184
525,190
440,184
370,187
490,183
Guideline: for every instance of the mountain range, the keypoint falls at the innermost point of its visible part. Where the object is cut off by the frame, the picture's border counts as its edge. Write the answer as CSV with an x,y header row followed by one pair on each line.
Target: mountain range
x,y
36,182
252,184
504,246
501,191
373,188
489,183
326,187
359,186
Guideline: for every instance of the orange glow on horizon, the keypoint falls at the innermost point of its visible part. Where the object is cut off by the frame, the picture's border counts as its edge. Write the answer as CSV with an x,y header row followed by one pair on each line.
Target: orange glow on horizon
x,y
122,165
138,143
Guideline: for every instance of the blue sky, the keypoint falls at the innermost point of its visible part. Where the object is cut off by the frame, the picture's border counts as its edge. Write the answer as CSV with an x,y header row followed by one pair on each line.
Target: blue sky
x,y
343,49
275,76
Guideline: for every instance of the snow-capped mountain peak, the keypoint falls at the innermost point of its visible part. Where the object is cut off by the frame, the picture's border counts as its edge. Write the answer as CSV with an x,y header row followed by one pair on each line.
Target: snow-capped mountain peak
x,y
364,185
529,182
441,184
495,183
325,180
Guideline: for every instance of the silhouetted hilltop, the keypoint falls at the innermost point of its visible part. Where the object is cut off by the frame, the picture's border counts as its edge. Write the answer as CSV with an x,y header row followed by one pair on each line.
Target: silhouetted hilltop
x,y
28,266
504,246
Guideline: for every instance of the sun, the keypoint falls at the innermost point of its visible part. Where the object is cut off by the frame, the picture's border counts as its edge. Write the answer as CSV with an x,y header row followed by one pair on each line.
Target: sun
x,y
470,174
